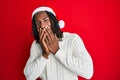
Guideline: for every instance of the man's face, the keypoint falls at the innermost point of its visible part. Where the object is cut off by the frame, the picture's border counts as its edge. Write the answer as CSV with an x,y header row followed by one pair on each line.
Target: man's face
x,y
42,20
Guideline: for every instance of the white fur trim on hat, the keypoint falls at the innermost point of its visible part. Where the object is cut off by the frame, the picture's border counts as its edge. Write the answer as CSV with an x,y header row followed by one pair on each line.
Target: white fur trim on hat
x,y
44,8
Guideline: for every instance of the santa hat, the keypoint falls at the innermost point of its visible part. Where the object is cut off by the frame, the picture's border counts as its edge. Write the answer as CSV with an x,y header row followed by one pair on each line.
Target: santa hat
x,y
44,8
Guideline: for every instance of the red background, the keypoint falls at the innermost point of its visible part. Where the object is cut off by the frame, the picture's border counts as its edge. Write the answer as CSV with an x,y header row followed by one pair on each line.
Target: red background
x,y
96,21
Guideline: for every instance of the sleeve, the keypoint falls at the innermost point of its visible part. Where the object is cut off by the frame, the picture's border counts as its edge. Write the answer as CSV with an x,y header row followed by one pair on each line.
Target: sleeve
x,y
35,64
78,61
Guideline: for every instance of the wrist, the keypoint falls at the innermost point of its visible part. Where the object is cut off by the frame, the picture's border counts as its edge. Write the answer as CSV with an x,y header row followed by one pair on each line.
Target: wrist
x,y
56,51
45,55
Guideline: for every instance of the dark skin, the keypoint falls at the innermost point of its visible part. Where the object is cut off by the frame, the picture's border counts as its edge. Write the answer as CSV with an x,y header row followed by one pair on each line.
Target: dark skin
x,y
48,40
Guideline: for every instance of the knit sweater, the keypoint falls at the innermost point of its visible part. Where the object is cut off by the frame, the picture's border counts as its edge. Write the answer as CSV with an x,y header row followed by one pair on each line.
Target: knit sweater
x,y
71,60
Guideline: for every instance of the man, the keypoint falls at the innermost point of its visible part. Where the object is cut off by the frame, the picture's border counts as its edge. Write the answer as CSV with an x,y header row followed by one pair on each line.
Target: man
x,y
55,55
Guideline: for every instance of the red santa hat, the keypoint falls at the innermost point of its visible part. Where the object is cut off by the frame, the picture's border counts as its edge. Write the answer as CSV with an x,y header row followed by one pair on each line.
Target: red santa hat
x,y
44,8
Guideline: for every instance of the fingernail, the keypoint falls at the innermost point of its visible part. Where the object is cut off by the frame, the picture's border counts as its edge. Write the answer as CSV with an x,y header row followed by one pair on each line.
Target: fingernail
x,y
45,27
48,27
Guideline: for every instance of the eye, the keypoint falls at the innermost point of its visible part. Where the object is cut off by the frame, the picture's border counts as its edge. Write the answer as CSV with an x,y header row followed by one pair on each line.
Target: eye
x,y
37,23
46,19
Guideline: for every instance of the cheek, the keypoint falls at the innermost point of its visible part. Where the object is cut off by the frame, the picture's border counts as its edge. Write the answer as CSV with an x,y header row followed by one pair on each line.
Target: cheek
x,y
49,24
38,29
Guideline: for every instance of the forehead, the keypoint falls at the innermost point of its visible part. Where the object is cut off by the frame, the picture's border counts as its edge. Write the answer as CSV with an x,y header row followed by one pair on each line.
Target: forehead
x,y
41,15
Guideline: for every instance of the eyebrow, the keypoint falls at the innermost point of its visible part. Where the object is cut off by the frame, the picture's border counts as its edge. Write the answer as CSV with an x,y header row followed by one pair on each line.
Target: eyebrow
x,y
45,17
42,18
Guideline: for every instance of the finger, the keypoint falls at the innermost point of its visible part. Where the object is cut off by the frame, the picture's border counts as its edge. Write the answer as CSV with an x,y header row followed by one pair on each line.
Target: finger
x,y
50,33
40,30
44,44
48,36
43,39
42,34
47,42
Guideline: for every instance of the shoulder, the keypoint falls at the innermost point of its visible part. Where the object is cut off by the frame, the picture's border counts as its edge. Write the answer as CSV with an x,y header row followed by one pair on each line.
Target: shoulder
x,y
35,48
70,35
35,45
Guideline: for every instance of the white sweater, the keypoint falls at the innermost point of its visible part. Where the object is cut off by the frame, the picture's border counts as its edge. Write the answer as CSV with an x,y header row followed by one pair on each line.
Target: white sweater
x,y
71,60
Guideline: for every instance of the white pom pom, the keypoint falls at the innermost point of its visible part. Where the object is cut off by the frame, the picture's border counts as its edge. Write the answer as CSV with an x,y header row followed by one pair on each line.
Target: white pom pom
x,y
61,23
